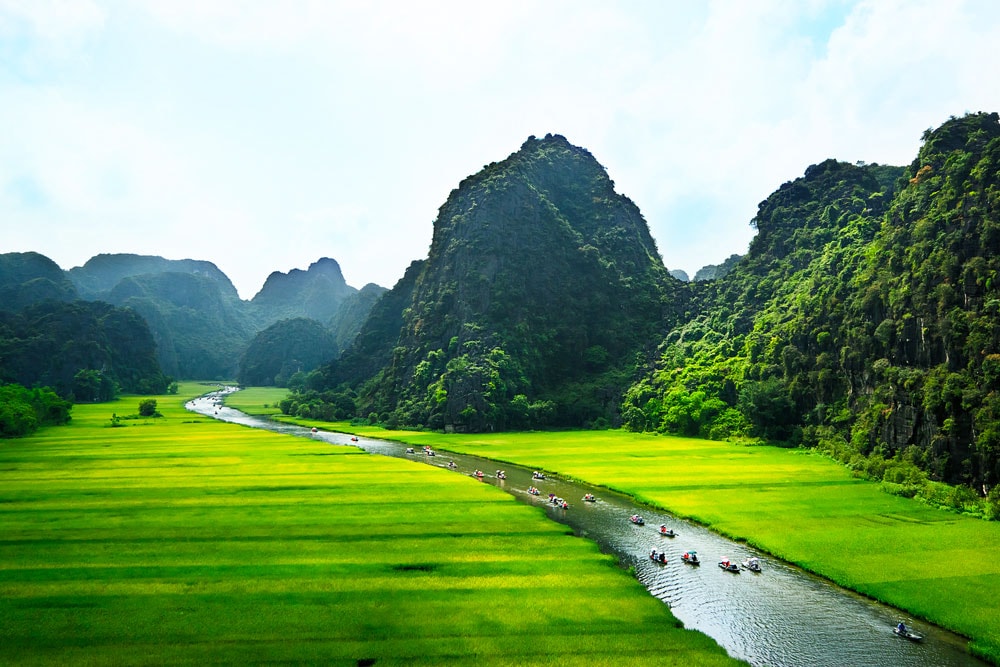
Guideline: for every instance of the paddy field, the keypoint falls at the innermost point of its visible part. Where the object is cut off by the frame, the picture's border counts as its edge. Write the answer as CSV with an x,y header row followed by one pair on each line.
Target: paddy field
x,y
182,540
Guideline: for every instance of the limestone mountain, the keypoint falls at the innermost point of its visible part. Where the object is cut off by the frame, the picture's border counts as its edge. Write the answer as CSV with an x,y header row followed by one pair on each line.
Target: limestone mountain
x,y
541,287
287,347
28,277
316,293
864,319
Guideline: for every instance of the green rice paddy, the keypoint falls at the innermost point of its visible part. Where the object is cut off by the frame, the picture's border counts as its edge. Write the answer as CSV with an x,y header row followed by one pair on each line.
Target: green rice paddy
x,y
795,504
182,540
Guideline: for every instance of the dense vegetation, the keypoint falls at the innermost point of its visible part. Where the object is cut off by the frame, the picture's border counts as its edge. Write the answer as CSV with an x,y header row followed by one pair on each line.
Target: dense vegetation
x,y
23,410
863,320
541,289
287,347
85,351
199,324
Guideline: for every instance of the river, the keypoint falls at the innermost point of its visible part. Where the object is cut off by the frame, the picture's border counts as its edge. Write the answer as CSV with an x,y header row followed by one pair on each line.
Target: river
x,y
780,616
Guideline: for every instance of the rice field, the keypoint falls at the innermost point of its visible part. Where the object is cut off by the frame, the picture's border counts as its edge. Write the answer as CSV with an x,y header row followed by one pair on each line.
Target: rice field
x,y
797,505
182,540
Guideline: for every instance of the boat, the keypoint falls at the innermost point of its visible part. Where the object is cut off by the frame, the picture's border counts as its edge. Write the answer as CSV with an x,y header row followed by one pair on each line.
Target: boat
x,y
690,557
729,566
430,452
501,474
537,475
409,450
315,430
904,632
354,438
590,498
478,473
668,532
533,491
657,556
452,465
752,564
637,520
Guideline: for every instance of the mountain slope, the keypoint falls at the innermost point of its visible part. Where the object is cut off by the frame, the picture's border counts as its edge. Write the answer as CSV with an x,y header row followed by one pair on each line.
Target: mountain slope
x,y
316,293
541,286
863,319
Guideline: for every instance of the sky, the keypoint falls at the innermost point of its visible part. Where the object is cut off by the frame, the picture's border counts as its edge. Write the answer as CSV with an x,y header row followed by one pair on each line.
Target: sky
x,y
264,135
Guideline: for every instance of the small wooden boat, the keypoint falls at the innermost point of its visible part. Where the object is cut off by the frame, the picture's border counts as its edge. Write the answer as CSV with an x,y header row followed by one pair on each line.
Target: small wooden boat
x,y
315,430
657,556
637,520
690,557
533,491
729,566
537,475
752,564
906,633
409,450
590,498
667,532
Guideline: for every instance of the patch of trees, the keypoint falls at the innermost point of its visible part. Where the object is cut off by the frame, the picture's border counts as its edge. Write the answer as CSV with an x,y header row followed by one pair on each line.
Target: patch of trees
x,y
23,410
84,351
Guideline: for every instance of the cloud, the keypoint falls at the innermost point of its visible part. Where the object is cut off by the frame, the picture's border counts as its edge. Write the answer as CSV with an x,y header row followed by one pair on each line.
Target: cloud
x,y
263,135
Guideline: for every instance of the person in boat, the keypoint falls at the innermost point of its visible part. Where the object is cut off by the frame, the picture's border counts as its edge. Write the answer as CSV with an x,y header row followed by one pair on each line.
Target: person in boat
x,y
901,628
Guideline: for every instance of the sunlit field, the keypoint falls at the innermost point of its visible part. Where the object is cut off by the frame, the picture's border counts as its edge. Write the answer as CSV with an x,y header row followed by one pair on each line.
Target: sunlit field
x,y
257,400
185,540
792,503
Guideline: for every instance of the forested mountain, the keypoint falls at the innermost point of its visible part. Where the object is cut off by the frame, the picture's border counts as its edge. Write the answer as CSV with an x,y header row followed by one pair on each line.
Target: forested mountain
x,y
201,326
83,350
101,273
316,293
714,271
287,347
863,319
541,287
27,278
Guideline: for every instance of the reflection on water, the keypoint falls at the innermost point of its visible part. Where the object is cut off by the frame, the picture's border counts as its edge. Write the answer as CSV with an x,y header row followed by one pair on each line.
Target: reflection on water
x,y
780,616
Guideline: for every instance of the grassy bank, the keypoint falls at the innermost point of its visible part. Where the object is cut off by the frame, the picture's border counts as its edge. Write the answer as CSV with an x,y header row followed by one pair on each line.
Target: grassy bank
x,y
797,505
185,540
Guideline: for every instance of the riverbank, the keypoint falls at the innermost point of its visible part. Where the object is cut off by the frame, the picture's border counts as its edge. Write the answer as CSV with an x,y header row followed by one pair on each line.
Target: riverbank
x,y
184,540
795,504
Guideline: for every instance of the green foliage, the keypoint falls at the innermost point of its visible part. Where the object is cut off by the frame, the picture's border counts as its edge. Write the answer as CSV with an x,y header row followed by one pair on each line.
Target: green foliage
x,y
862,320
88,347
284,349
23,410
147,407
541,287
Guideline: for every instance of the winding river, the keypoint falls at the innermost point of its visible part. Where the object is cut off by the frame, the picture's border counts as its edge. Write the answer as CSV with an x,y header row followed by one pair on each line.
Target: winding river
x,y
780,616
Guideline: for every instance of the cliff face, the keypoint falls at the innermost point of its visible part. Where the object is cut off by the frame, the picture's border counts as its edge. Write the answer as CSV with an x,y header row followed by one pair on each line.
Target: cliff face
x,y
540,287
865,318
316,293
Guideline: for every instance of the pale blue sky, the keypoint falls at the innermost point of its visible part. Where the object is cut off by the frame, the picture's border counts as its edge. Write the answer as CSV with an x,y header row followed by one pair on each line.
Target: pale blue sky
x,y
264,135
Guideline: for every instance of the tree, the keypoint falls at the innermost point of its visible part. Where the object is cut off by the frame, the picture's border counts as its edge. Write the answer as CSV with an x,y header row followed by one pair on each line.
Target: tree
x,y
147,407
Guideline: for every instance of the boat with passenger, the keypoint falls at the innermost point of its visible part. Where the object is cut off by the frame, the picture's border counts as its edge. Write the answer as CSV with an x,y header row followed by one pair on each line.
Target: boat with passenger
x,y
667,532
902,631
637,520
690,557
729,566
752,563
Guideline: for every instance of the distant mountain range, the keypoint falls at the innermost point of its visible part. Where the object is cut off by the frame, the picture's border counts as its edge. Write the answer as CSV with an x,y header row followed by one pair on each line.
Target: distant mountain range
x,y
200,326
